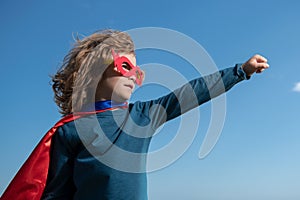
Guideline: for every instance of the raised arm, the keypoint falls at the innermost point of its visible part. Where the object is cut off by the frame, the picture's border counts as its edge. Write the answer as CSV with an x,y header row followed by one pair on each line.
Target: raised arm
x,y
203,89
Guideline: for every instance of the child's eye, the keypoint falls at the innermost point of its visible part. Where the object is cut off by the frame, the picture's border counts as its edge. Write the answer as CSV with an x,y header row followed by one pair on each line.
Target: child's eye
x,y
126,66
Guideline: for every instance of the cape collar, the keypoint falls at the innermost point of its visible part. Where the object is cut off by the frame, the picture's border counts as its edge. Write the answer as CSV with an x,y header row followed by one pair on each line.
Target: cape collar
x,y
103,105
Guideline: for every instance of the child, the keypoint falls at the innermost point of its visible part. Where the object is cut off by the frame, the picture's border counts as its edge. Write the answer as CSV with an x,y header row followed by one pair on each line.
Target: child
x,y
98,150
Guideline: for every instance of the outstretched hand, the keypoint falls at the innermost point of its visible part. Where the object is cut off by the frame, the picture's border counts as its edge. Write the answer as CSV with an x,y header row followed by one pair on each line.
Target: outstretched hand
x,y
256,64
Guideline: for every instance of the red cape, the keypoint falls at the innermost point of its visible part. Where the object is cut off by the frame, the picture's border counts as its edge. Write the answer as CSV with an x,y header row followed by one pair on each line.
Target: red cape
x,y
30,181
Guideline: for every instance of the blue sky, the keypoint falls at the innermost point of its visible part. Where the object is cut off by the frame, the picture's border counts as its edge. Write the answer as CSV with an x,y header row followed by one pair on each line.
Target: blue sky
x,y
257,155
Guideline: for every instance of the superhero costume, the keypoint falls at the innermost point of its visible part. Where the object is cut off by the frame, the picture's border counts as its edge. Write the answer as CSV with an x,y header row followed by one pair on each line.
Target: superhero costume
x,y
76,173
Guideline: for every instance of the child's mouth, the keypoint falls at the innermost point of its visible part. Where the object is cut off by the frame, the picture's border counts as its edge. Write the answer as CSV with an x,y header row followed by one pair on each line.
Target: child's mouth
x,y
128,85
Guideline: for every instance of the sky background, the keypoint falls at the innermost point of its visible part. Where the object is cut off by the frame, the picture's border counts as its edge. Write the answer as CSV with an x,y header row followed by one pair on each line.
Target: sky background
x,y
258,153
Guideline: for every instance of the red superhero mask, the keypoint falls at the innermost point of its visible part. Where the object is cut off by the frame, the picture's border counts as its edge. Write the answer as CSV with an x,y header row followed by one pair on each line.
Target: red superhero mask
x,y
127,69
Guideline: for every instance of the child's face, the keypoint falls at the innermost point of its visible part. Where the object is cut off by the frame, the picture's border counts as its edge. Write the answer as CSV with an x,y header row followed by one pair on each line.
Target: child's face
x,y
113,86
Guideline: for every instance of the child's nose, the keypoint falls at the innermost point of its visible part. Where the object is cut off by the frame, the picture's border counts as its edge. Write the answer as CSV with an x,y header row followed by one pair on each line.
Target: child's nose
x,y
132,77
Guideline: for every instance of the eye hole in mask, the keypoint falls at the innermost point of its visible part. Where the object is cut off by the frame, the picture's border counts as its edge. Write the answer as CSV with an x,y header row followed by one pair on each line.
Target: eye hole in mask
x,y
127,69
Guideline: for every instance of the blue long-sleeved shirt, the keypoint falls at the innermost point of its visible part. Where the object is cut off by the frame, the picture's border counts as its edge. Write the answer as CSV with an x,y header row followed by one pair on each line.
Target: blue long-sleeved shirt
x,y
103,156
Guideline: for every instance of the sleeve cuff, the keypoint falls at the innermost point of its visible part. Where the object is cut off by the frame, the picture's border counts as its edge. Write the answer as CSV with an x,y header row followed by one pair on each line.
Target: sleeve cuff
x,y
240,72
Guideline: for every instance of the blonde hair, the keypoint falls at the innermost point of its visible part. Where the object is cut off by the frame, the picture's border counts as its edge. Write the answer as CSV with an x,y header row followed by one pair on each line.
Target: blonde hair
x,y
76,81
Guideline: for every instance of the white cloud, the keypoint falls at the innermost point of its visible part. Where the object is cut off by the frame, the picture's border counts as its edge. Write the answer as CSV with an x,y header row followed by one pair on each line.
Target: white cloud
x,y
297,87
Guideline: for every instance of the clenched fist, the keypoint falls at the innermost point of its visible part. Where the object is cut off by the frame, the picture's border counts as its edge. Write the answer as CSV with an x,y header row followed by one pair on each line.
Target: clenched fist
x,y
255,64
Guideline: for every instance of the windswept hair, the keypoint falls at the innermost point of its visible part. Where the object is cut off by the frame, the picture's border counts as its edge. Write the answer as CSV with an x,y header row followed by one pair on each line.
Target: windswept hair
x,y
75,83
